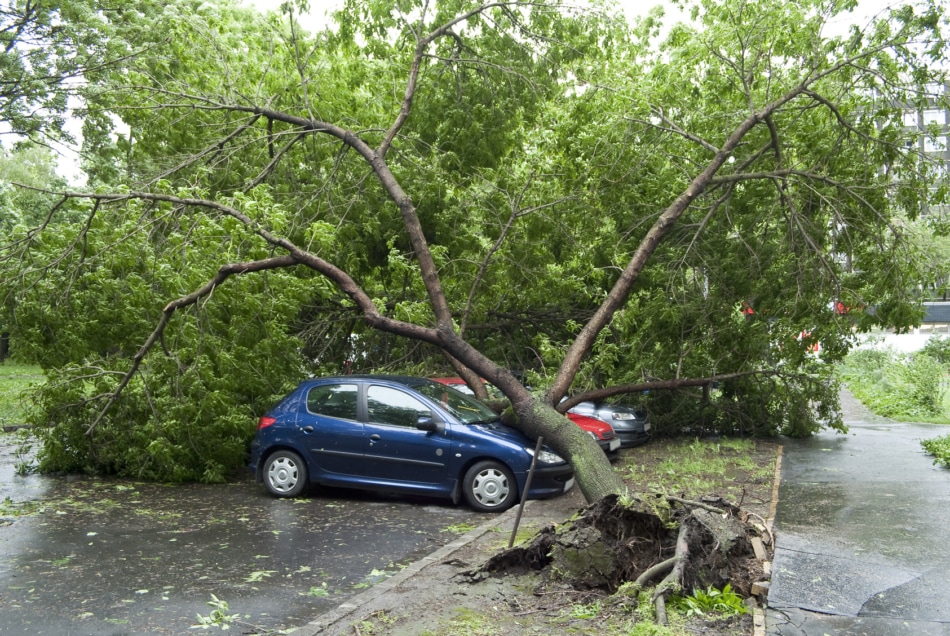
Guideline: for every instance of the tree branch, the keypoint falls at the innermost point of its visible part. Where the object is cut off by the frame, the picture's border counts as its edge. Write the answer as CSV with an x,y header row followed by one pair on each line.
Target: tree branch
x,y
224,272
655,385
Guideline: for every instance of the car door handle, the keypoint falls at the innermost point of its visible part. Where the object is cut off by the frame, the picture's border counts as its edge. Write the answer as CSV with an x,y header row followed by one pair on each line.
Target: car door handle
x,y
307,429
375,437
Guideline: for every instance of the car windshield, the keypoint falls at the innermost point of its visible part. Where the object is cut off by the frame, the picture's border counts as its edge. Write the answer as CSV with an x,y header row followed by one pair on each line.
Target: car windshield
x,y
465,408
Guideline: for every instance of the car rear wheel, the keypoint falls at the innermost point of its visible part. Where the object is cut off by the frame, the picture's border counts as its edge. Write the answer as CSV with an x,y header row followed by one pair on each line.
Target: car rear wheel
x,y
285,474
489,487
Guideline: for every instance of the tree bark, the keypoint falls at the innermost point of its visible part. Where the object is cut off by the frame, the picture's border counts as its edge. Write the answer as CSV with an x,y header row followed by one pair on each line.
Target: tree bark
x,y
596,478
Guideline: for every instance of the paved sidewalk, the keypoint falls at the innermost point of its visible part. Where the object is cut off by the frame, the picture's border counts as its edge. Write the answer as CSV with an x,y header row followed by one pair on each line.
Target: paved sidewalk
x,y
862,533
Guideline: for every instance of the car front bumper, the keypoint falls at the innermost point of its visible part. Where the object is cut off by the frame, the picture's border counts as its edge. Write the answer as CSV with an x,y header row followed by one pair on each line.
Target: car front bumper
x,y
632,438
551,481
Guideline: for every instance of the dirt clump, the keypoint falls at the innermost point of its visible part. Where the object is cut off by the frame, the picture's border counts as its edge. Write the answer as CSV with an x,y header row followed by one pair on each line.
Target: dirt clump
x,y
681,545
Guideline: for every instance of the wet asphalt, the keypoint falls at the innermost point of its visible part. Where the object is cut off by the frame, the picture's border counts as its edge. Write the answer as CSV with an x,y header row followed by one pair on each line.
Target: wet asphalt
x,y
862,533
862,545
83,556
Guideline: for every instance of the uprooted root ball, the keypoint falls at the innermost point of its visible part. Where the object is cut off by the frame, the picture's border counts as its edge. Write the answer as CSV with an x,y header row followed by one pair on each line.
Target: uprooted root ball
x,y
682,545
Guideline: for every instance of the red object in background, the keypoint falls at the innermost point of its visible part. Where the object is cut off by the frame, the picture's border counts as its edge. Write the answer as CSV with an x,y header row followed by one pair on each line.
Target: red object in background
x,y
598,428
814,347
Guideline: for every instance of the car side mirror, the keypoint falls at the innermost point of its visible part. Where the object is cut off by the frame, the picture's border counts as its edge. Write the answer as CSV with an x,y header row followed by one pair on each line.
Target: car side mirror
x,y
428,424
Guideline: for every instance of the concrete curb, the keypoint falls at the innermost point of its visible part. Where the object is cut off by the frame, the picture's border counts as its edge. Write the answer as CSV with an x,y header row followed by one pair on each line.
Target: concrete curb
x,y
758,622
351,607
759,626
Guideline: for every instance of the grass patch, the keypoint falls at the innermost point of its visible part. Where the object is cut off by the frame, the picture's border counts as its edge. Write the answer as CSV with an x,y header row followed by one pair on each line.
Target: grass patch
x,y
471,623
905,387
15,380
939,447
740,470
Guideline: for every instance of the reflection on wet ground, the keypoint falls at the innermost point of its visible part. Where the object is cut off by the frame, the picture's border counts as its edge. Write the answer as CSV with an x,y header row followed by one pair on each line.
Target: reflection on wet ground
x,y
100,556
863,545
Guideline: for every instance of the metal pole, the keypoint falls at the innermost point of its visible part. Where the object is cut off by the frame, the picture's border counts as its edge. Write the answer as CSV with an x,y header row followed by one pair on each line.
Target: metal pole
x,y
524,495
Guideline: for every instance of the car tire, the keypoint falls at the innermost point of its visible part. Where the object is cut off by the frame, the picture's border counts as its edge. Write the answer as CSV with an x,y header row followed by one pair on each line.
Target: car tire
x,y
285,474
489,486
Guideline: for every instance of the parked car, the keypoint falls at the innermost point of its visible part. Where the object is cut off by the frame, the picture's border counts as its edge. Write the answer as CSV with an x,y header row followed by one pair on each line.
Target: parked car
x,y
399,434
631,424
602,432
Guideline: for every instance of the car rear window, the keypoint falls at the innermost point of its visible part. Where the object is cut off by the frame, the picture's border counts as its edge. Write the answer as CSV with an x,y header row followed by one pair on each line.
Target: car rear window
x,y
333,400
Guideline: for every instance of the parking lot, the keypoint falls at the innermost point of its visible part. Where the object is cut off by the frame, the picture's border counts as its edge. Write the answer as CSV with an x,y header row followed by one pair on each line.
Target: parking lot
x,y
96,556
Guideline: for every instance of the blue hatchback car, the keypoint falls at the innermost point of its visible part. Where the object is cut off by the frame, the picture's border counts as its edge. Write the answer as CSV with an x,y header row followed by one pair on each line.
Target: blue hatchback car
x,y
399,434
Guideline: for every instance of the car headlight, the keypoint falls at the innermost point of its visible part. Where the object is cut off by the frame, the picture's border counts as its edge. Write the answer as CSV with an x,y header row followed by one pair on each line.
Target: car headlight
x,y
623,416
546,457
591,433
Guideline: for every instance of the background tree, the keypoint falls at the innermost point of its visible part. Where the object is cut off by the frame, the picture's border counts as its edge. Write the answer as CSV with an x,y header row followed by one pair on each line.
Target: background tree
x,y
33,166
610,204
52,53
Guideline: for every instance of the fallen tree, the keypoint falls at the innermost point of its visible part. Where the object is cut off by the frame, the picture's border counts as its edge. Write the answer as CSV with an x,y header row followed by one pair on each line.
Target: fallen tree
x,y
720,153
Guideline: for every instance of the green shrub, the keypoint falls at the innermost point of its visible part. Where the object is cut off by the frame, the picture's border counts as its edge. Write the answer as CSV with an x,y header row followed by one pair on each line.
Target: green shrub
x,y
938,348
896,385
923,376
939,447
723,602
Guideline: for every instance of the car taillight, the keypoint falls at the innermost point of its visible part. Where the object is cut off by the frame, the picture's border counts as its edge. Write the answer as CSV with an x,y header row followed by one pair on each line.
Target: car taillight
x,y
265,421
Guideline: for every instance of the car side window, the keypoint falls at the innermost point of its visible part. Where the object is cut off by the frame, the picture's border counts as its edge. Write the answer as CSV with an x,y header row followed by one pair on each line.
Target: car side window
x,y
394,407
333,400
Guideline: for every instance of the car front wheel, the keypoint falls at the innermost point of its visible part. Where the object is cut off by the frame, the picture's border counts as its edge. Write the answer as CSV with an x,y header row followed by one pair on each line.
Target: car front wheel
x,y
489,487
285,474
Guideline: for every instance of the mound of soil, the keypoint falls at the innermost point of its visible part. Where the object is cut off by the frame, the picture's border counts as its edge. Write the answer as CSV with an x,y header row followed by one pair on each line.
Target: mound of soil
x,y
615,545
706,543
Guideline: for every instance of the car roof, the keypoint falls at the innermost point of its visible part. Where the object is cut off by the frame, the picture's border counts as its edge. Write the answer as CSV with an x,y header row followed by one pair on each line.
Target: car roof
x,y
407,380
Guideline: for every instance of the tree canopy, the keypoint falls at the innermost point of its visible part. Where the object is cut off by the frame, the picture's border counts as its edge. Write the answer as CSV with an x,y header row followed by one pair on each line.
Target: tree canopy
x,y
493,186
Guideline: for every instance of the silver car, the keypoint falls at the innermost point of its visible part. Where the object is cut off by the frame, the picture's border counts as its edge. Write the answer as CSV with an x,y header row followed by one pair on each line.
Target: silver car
x,y
631,424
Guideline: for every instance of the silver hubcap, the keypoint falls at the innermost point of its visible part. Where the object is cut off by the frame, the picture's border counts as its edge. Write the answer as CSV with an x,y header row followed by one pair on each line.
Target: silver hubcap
x,y
490,487
283,474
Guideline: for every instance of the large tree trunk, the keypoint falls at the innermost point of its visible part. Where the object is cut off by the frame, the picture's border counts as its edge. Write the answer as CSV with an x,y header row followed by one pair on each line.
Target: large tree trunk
x,y
595,476
536,418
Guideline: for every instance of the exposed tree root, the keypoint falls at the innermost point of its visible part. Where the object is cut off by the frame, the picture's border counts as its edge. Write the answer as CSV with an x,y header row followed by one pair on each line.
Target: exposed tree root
x,y
673,582
691,544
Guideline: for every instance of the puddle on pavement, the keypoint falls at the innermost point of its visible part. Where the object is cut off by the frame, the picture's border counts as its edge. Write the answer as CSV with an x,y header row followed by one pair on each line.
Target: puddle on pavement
x,y
101,556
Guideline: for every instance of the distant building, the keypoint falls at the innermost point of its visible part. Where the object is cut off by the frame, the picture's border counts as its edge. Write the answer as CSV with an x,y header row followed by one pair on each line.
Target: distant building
x,y
937,317
932,119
